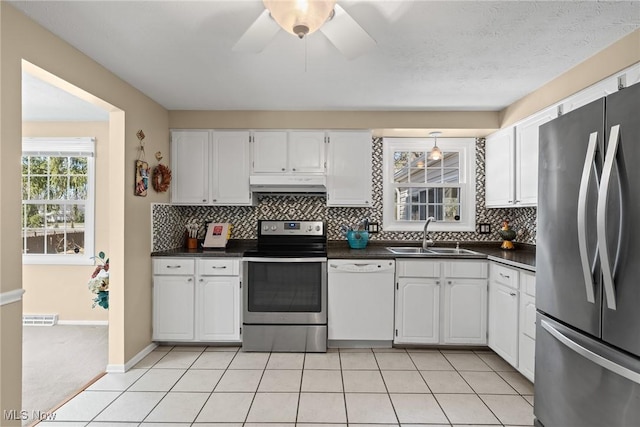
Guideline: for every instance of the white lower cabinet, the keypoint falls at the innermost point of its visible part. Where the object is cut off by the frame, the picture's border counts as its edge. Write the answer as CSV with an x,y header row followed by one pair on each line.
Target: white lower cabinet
x,y
441,302
465,311
527,336
196,300
503,321
173,308
417,311
512,316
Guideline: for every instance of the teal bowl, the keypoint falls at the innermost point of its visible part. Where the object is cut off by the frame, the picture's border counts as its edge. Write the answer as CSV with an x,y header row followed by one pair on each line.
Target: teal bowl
x,y
358,239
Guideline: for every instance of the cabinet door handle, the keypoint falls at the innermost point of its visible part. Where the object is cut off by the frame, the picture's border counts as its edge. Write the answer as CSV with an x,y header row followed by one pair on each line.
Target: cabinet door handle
x,y
189,279
437,282
282,169
294,169
513,294
174,266
450,282
201,280
204,200
506,276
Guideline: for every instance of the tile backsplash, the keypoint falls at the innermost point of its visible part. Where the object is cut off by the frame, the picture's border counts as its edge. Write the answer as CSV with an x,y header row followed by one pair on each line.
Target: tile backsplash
x,y
169,220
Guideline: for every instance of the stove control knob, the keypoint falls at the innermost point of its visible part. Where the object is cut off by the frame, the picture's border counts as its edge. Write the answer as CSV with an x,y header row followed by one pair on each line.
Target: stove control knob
x,y
309,228
273,228
317,228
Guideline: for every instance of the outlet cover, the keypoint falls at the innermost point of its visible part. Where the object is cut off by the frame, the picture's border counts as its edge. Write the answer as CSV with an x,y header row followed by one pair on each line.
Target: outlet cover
x,y
485,228
373,228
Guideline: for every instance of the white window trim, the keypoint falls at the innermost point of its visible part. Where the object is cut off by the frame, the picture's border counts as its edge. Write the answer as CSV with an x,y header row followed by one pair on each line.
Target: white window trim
x,y
79,146
467,148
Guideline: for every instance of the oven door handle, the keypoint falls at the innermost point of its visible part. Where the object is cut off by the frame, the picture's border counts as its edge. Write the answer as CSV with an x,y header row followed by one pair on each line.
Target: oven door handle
x,y
257,259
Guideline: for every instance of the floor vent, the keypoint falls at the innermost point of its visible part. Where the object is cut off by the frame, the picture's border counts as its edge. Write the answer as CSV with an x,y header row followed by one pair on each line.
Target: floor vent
x,y
39,319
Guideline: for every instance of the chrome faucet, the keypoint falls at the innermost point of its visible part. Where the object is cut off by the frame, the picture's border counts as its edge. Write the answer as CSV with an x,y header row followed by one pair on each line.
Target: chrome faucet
x,y
426,241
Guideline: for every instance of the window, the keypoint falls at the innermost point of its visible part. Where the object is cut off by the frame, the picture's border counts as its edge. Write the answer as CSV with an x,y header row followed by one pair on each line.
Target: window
x,y
57,200
416,188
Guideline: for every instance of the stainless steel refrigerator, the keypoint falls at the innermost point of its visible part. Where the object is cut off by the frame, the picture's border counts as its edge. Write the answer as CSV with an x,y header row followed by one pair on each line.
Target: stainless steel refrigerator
x,y
588,266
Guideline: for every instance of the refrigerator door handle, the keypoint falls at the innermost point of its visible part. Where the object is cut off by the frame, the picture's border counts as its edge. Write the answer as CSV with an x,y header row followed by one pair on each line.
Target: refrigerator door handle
x,y
590,355
582,216
601,222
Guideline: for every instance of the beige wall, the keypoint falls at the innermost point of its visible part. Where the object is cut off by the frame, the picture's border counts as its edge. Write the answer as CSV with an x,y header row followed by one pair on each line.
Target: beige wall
x,y
620,55
62,289
384,123
129,216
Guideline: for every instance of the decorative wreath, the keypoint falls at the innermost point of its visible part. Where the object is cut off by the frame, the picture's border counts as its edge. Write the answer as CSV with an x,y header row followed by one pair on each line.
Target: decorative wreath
x,y
161,178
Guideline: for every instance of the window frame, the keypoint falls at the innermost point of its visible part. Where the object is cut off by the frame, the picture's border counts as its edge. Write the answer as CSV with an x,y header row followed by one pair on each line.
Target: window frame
x,y
73,147
466,147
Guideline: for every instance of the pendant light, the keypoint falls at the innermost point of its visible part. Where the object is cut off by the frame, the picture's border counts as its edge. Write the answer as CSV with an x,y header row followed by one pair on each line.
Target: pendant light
x,y
435,153
300,17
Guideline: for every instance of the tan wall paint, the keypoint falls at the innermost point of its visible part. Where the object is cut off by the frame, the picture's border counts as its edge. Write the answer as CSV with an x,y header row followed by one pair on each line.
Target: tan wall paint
x,y
620,55
384,123
62,289
129,216
10,361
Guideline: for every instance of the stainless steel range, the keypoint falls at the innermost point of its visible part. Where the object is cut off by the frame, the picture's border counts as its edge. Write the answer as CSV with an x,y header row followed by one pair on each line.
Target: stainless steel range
x,y
285,292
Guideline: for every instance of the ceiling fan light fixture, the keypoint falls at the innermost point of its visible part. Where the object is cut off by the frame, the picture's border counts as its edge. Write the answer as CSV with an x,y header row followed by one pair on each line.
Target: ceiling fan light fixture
x,y
300,17
435,153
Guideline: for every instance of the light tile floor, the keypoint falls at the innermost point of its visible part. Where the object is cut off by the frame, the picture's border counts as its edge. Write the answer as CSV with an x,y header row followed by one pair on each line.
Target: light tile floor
x,y
224,387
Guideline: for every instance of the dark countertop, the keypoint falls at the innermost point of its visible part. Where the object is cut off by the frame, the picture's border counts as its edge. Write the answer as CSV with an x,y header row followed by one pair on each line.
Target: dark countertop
x,y
524,256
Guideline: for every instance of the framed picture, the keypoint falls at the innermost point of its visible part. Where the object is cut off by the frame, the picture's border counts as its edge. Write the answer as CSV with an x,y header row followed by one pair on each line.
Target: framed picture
x,y
142,178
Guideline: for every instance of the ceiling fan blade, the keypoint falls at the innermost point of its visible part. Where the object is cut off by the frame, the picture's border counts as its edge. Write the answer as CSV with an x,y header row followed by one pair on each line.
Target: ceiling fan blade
x,y
258,36
347,35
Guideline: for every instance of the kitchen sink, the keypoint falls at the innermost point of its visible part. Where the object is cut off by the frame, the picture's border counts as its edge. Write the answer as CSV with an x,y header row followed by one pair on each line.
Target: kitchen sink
x,y
407,251
433,252
452,251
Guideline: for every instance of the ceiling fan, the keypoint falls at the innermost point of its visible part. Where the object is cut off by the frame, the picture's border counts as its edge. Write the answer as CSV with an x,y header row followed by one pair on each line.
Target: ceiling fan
x,y
303,17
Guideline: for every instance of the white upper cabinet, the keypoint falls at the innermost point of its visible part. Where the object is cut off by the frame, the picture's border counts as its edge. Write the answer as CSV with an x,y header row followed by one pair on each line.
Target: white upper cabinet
x,y
511,162
349,169
230,154
210,167
190,167
270,152
278,152
526,168
307,151
499,168
596,91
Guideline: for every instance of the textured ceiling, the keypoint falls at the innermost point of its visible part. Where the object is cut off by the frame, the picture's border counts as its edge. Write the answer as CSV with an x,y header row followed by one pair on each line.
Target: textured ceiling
x,y
447,55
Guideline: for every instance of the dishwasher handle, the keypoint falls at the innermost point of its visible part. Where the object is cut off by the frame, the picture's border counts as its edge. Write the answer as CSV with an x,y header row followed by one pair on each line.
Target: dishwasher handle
x,y
361,267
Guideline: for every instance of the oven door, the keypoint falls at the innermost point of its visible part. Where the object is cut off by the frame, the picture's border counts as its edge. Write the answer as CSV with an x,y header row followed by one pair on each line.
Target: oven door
x,y
285,291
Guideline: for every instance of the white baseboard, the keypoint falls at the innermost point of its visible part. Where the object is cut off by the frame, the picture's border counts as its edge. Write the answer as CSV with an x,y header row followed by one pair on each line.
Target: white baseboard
x,y
84,322
132,362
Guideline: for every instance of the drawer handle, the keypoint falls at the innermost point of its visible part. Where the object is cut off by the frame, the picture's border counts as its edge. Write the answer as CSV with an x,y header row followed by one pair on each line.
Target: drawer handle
x,y
512,294
174,266
215,266
506,276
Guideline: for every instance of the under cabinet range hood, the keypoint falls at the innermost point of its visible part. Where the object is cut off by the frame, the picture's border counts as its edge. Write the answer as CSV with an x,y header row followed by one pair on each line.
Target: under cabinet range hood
x,y
298,183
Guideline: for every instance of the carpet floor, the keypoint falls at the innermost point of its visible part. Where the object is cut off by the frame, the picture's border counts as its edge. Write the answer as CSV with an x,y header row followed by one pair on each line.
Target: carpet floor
x,y
58,361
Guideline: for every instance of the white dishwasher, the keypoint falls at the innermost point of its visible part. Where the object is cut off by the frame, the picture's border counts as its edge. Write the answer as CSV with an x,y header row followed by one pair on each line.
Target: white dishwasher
x,y
360,299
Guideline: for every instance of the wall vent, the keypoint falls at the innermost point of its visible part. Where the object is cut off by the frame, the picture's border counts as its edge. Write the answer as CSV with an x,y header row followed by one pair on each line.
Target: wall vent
x,y
39,319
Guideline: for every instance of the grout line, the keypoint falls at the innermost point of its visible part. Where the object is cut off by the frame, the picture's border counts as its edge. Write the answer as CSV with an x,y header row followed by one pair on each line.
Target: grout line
x,y
224,371
257,387
386,388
